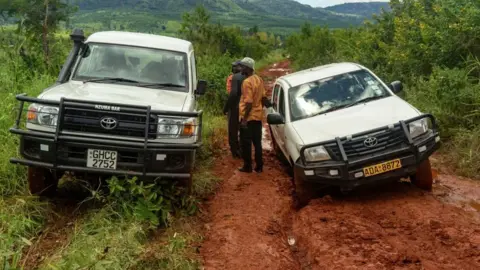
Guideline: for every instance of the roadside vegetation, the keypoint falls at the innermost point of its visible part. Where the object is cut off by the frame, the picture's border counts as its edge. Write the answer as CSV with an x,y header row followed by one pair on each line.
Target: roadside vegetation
x,y
122,224
432,47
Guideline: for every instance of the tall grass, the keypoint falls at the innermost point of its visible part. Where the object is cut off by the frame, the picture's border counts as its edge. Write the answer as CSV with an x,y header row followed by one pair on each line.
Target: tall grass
x,y
21,216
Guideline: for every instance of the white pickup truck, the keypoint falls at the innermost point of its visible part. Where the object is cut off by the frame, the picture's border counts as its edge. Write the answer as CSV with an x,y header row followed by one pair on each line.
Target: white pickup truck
x,y
341,125
124,104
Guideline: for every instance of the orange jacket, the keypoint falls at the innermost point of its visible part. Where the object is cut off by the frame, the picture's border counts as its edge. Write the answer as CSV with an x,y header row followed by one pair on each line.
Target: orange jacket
x,y
229,83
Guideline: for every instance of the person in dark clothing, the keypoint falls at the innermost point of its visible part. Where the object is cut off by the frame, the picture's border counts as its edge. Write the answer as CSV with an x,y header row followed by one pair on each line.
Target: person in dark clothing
x,y
231,110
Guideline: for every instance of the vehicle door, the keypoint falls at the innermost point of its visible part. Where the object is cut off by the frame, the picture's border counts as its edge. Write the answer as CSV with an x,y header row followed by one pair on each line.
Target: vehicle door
x,y
274,108
280,129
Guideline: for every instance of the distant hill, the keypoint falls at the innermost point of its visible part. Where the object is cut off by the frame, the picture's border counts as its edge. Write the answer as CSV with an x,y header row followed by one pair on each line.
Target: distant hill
x,y
365,9
271,14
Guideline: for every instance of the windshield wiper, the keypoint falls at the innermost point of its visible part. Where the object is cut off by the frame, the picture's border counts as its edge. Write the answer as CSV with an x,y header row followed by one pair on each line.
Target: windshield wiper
x,y
110,79
161,84
364,100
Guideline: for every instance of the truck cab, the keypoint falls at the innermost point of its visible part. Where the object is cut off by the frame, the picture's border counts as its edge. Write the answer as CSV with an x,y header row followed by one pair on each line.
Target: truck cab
x,y
123,104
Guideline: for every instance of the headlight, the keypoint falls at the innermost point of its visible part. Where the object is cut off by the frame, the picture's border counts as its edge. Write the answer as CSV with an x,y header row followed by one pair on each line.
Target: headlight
x,y
176,127
42,115
318,153
418,127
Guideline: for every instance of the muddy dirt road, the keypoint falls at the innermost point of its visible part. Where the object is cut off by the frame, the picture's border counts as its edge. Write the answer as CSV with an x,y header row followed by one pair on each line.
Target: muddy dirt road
x,y
251,225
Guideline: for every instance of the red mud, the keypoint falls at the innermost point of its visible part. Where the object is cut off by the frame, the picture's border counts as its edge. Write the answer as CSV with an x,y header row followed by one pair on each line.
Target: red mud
x,y
396,226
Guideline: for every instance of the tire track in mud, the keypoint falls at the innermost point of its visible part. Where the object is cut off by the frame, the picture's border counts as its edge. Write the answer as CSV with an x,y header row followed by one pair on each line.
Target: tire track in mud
x,y
250,222
244,229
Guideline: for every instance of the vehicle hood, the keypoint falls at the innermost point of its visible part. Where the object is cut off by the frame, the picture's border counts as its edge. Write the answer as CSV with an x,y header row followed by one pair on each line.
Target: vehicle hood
x,y
359,118
159,99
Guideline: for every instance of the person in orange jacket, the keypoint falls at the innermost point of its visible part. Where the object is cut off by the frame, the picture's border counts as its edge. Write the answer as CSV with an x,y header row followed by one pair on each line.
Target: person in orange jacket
x,y
235,69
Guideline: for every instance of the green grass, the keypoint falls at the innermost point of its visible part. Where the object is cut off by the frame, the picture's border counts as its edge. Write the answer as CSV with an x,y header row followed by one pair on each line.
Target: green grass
x,y
21,216
21,219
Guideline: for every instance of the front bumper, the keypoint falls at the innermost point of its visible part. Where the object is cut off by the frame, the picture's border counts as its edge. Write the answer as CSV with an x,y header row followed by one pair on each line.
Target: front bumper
x,y
349,173
67,151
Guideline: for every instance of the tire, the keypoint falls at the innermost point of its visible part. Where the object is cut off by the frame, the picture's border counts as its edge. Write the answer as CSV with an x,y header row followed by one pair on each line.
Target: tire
x,y
423,178
42,182
303,193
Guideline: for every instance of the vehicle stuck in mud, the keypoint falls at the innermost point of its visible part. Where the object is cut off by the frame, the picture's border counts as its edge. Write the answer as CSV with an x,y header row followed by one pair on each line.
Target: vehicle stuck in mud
x,y
124,104
341,125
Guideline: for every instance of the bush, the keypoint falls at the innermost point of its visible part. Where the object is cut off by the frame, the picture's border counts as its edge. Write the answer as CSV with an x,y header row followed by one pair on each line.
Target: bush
x,y
312,47
450,95
215,69
464,150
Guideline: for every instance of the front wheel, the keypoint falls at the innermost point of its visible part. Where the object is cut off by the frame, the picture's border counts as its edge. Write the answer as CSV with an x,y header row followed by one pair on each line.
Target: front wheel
x,y
304,191
423,177
42,181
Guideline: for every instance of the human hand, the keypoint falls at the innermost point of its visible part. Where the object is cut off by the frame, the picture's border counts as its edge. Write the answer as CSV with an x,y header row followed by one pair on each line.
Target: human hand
x,y
243,123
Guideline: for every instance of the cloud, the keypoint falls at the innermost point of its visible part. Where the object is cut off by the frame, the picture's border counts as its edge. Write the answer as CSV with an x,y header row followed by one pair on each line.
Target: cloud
x,y
327,3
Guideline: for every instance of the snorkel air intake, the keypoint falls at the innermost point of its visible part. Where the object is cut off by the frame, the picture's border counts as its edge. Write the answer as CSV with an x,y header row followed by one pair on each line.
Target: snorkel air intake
x,y
78,37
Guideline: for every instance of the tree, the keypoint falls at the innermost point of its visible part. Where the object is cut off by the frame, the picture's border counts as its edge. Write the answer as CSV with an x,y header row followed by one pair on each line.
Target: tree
x,y
39,18
195,26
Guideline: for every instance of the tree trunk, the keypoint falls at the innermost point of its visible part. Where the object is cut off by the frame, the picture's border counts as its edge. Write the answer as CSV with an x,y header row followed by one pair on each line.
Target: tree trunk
x,y
45,36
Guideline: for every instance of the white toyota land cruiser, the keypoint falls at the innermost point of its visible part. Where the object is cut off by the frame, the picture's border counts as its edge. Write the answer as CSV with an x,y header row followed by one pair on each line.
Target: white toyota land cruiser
x,y
341,125
124,104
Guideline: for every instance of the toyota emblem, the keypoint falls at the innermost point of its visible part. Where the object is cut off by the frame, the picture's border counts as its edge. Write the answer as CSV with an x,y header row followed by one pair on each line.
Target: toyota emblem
x,y
370,142
108,122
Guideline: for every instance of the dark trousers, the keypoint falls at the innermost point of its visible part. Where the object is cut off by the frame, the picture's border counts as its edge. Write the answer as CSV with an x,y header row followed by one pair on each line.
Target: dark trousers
x,y
233,131
252,133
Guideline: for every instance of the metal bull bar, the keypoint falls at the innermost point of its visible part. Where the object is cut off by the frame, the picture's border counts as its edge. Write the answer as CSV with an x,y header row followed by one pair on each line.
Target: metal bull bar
x,y
144,142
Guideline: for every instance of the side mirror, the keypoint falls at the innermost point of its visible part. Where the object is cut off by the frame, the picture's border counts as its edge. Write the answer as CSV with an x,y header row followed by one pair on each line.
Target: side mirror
x,y
396,87
275,119
201,87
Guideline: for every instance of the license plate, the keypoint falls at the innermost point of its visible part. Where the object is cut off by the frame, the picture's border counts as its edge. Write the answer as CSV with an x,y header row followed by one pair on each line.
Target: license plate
x,y
102,159
382,167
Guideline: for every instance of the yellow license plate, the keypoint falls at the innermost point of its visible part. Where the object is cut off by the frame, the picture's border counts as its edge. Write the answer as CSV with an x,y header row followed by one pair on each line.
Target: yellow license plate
x,y
382,167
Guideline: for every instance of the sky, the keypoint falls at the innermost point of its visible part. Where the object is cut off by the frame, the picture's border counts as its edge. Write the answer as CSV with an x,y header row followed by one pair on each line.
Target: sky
x,y
326,3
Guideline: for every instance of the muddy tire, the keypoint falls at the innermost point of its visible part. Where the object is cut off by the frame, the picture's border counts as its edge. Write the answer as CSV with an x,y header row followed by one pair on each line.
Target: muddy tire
x,y
303,193
423,178
42,182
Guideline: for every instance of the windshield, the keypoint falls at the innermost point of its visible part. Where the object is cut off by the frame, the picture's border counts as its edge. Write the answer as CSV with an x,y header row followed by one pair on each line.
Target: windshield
x,y
151,67
317,97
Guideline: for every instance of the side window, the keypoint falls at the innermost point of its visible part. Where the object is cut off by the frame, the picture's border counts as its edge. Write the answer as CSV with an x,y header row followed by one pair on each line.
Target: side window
x,y
275,97
281,103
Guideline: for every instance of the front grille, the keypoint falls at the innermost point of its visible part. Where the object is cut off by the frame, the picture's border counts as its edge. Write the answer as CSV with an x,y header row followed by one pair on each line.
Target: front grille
x,y
355,147
128,124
